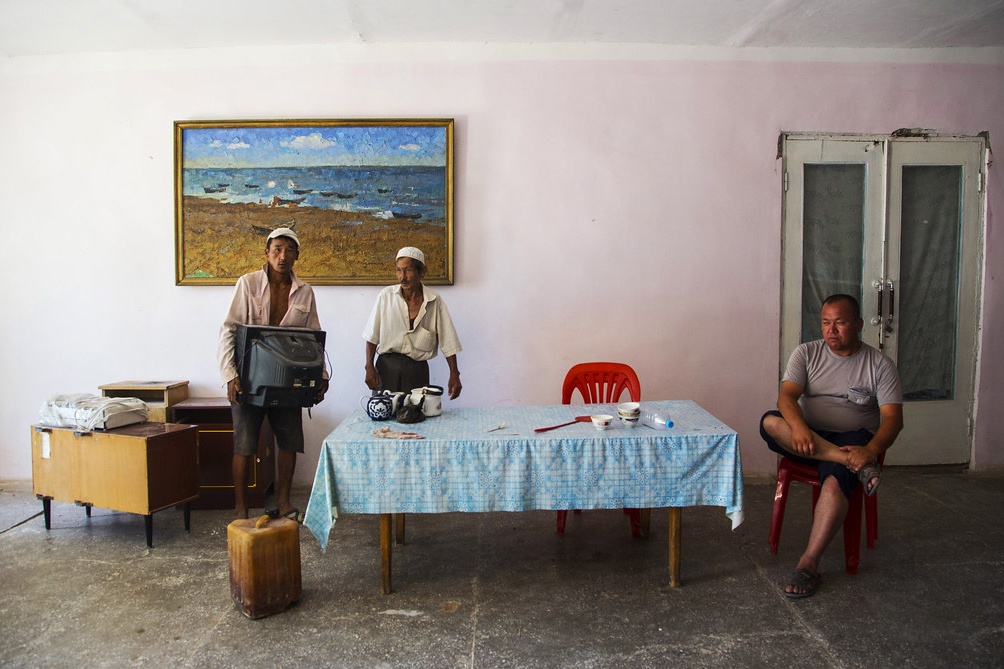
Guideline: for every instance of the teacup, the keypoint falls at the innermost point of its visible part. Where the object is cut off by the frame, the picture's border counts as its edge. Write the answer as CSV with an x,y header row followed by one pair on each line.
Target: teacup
x,y
601,421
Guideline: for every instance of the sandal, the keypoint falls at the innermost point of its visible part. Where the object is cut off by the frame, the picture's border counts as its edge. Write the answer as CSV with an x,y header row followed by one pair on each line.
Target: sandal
x,y
292,514
805,580
866,474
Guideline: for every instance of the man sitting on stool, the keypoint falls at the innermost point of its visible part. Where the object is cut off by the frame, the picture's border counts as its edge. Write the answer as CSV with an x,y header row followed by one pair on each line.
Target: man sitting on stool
x,y
840,407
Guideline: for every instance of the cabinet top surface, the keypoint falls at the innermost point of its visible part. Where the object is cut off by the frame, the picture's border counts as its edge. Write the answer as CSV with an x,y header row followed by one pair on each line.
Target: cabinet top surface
x,y
148,429
142,385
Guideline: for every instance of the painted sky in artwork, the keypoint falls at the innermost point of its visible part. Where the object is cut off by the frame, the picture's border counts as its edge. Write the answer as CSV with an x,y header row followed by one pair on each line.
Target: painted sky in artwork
x,y
314,145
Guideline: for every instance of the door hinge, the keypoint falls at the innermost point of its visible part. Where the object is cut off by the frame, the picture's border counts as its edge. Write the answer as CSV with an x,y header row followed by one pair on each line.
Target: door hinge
x,y
979,181
785,181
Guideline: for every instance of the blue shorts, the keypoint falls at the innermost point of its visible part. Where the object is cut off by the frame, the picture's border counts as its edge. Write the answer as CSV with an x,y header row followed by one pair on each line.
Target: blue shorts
x,y
844,476
286,424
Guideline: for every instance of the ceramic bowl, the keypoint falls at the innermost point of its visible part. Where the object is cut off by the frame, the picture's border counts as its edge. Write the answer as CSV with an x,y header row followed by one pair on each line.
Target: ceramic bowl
x,y
601,421
630,421
629,409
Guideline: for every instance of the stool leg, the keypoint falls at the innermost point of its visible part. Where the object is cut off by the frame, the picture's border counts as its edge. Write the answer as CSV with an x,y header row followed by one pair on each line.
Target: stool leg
x,y
780,501
149,529
634,515
871,519
852,532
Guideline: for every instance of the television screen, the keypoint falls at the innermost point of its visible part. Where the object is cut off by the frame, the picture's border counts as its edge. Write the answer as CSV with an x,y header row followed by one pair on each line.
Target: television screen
x,y
279,366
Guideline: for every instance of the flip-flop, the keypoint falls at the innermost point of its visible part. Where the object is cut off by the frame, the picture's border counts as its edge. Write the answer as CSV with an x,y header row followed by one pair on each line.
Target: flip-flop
x,y
292,514
866,474
805,580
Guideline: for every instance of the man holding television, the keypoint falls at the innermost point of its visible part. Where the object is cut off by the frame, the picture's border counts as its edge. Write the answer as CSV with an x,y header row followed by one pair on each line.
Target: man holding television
x,y
274,296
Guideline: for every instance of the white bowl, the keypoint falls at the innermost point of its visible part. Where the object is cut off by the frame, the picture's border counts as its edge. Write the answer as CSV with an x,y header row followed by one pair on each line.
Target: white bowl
x,y
630,421
629,408
601,421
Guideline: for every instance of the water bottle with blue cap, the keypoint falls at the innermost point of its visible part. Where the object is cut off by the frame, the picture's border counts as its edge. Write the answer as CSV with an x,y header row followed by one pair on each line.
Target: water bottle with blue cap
x,y
656,420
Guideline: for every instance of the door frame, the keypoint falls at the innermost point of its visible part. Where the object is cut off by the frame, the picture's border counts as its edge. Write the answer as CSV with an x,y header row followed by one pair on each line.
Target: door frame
x,y
972,242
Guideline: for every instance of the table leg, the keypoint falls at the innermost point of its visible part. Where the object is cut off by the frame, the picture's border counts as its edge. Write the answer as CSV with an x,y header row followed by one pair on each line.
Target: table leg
x,y
399,529
675,521
187,510
385,551
149,529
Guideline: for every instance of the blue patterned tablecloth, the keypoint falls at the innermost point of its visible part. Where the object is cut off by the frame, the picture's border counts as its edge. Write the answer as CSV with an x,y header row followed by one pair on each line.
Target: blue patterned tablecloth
x,y
461,466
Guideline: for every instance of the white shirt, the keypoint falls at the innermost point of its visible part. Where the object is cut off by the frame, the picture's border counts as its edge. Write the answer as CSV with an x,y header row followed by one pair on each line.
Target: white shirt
x,y
250,306
388,326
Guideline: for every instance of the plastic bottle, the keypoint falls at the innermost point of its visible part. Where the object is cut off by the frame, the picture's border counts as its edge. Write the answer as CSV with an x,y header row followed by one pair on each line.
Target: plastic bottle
x,y
654,419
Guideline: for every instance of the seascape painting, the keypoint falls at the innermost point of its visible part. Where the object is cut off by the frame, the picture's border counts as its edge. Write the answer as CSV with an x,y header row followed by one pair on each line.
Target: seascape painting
x,y
353,191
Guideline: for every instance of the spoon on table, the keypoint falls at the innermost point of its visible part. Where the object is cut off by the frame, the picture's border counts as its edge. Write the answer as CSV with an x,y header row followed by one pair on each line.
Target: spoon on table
x,y
578,419
501,426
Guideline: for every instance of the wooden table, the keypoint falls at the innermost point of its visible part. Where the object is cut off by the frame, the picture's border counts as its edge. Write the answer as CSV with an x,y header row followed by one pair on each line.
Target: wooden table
x,y
461,466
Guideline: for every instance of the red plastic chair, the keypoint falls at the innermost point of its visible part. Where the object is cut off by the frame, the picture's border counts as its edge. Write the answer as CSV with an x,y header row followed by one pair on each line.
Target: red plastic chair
x,y
600,383
787,471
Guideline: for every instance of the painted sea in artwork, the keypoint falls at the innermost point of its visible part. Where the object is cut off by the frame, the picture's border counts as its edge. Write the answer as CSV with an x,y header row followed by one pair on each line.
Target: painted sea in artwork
x,y
413,192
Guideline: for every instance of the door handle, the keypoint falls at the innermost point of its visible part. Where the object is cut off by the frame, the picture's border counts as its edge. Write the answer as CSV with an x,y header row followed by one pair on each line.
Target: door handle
x,y
878,285
892,307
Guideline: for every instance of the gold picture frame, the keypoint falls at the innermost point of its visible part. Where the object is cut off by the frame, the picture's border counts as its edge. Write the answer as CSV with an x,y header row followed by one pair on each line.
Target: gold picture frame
x,y
354,191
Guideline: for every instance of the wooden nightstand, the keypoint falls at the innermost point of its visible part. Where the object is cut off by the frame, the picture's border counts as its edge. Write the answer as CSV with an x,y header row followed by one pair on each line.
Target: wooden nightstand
x,y
212,417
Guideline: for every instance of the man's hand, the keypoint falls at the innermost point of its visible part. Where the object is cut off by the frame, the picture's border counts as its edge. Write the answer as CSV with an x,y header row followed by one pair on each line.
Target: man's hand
x,y
372,378
233,389
454,386
802,441
321,391
858,457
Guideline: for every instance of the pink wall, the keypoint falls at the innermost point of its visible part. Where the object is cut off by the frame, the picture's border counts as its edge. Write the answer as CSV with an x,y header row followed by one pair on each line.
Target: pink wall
x,y
623,210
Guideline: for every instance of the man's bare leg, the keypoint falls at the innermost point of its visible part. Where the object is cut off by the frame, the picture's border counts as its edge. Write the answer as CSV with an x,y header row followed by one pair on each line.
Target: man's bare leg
x,y
831,509
240,474
287,463
779,430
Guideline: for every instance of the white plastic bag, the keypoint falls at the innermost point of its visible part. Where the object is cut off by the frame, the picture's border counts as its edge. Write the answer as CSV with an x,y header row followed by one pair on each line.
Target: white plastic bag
x,y
89,412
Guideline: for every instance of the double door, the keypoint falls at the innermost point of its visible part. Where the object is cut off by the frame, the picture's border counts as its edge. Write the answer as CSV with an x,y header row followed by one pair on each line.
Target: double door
x,y
897,223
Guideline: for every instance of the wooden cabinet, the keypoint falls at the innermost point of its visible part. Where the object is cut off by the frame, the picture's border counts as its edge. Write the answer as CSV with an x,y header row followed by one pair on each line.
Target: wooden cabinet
x,y
141,468
158,395
212,417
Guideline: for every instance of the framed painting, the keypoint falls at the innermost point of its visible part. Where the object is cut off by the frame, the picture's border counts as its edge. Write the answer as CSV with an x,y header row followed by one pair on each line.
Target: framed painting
x,y
354,191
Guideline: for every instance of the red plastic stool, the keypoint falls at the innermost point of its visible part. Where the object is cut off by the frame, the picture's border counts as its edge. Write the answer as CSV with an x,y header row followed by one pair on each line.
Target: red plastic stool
x,y
787,471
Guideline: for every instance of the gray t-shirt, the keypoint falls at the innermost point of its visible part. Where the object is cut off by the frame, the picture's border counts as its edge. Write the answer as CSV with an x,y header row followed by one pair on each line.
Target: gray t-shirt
x,y
841,393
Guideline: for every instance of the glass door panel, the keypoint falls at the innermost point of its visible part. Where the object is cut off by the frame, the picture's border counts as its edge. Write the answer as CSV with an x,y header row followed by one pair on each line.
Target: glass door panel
x,y
833,238
929,281
935,211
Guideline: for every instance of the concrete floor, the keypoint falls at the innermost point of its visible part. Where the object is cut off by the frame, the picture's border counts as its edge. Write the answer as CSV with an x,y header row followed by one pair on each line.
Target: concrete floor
x,y
502,590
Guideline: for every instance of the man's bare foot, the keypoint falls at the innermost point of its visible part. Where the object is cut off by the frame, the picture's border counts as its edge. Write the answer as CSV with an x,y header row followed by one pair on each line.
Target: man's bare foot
x,y
802,583
869,475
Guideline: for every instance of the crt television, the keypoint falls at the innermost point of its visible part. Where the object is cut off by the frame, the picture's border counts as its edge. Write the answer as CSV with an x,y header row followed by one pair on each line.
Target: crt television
x,y
279,366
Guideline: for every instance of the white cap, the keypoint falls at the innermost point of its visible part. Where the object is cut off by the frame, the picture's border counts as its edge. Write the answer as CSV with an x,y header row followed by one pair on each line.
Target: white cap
x,y
286,232
411,252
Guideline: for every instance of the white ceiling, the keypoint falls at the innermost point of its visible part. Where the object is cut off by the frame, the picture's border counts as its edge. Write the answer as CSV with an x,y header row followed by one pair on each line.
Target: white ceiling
x,y
38,27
